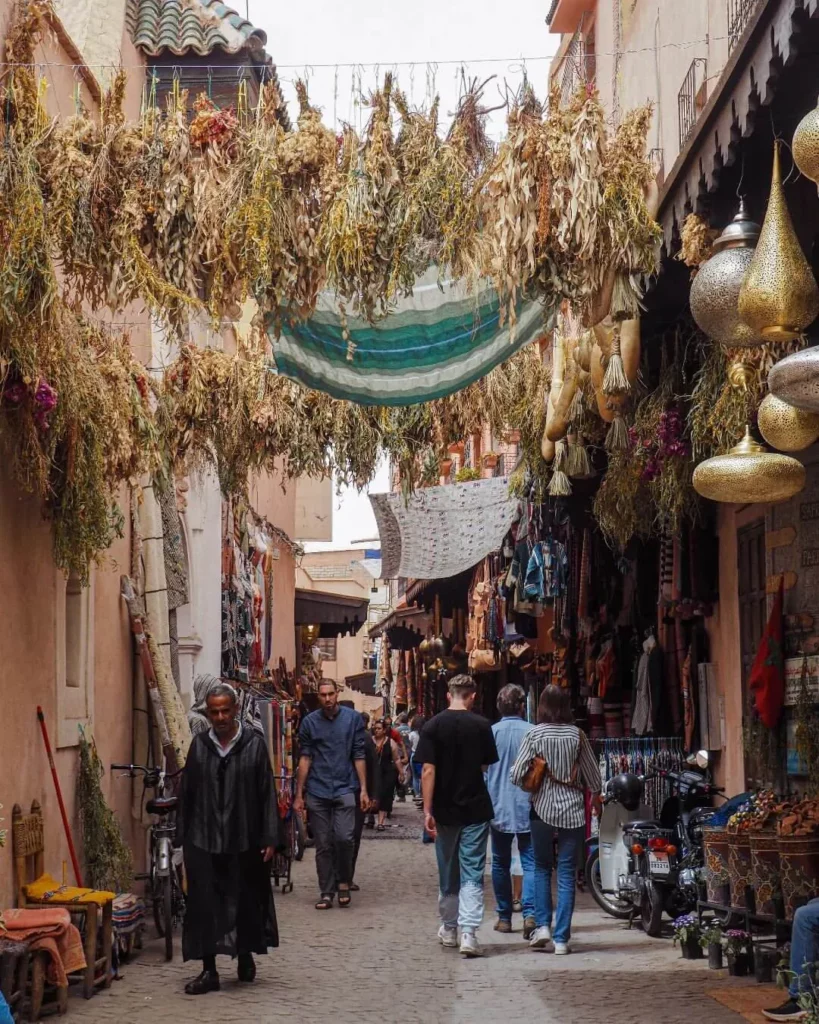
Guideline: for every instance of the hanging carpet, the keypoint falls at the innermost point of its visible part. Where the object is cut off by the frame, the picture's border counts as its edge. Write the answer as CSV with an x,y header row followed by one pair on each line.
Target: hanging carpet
x,y
442,531
436,342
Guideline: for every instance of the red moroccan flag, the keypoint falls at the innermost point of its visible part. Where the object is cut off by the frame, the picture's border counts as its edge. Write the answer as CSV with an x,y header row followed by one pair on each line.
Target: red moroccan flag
x,y
767,679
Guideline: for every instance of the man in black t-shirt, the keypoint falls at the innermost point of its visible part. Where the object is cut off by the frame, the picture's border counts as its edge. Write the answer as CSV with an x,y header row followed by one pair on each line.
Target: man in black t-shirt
x,y
455,748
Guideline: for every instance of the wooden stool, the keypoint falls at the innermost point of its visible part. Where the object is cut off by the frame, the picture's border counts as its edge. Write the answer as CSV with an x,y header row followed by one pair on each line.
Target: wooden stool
x,y
95,919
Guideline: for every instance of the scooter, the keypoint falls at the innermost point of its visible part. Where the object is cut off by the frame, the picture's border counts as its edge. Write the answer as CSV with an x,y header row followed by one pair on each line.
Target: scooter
x,y
647,866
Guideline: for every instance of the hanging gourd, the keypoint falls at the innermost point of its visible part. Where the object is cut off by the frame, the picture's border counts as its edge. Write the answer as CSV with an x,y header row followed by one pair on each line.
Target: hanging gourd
x,y
748,473
785,427
779,297
716,287
805,146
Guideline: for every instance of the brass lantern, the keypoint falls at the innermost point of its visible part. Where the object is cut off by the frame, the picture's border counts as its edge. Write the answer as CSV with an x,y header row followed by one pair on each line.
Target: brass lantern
x,y
749,473
806,145
779,297
715,289
785,427
795,379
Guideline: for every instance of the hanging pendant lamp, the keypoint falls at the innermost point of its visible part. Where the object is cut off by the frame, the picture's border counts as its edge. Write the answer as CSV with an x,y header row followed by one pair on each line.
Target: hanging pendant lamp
x,y
749,473
715,289
779,297
795,379
806,145
785,427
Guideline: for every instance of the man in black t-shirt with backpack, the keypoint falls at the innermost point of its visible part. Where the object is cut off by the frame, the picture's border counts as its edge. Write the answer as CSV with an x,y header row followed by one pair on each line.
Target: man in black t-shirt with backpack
x,y
455,748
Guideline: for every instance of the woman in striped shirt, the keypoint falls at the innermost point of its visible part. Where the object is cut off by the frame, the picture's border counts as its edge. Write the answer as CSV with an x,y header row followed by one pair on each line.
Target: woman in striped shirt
x,y
558,811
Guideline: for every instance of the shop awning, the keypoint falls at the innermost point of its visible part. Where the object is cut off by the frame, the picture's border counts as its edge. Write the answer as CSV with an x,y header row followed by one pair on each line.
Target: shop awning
x,y
416,619
442,531
750,77
334,614
361,682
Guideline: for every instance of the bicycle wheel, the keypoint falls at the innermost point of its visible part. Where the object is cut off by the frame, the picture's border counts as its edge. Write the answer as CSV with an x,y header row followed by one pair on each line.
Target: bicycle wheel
x,y
167,915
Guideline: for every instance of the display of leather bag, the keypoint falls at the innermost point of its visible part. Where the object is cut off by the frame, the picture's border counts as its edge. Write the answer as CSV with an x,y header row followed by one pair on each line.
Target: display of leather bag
x,y
483,660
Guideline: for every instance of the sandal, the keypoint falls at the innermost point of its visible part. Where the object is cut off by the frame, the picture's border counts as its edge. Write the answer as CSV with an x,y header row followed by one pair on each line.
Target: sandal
x,y
344,898
325,903
380,828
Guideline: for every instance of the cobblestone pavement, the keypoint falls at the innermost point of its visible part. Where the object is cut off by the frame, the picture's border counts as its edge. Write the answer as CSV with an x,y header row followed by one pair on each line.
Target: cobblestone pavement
x,y
379,961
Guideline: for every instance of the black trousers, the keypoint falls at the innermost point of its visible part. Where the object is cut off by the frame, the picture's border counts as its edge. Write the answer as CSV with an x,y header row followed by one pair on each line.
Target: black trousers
x,y
360,818
333,825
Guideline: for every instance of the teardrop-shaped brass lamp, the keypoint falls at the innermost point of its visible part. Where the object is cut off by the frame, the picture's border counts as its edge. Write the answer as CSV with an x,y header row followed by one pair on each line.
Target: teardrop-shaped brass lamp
x,y
785,427
806,145
749,473
795,379
779,297
715,289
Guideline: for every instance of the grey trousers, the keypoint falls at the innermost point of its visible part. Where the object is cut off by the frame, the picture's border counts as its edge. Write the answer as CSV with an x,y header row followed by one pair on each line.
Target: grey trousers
x,y
333,826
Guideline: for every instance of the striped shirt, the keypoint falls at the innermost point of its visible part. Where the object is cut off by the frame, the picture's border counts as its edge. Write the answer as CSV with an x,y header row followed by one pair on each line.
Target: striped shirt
x,y
559,805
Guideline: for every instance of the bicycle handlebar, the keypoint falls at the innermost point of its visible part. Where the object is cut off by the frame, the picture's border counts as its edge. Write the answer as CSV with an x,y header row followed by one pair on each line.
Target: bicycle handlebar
x,y
131,768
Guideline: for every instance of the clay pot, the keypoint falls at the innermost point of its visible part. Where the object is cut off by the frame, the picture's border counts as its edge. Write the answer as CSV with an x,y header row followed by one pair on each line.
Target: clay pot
x,y
716,844
799,858
739,868
765,871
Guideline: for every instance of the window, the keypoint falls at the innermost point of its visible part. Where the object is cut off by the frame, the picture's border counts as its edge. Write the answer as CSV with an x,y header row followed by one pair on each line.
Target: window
x,y
74,641
328,648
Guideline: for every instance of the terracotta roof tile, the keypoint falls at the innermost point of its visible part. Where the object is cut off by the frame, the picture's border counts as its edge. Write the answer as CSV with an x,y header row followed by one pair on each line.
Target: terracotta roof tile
x,y
197,26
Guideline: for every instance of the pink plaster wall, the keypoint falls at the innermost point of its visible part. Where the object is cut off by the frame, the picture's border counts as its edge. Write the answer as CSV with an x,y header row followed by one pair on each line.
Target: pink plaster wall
x,y
278,506
29,581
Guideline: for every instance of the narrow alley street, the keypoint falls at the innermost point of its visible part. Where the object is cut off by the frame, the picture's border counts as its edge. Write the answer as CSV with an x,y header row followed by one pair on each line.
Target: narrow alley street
x,y
380,961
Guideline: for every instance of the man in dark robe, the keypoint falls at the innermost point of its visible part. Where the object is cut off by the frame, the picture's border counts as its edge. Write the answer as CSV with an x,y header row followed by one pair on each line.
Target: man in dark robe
x,y
228,828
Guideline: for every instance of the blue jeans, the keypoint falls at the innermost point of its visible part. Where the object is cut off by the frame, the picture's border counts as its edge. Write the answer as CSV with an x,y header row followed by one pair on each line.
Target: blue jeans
x,y
501,872
804,946
416,777
569,840
461,854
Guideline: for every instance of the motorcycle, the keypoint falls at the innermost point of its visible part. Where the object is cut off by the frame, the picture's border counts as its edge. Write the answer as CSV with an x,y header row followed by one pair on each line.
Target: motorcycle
x,y
646,866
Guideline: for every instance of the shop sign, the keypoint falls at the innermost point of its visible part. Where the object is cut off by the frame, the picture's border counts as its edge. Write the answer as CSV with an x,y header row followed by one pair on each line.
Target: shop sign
x,y
793,678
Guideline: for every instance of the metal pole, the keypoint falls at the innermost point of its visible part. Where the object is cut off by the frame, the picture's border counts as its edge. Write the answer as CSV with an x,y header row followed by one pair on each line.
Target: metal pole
x,y
66,826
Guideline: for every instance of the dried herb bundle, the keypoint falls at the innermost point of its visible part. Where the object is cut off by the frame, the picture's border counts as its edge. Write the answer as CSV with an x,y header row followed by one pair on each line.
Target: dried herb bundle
x,y
108,863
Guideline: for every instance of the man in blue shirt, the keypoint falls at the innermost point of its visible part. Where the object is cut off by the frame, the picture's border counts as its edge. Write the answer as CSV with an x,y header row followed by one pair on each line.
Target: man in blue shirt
x,y
331,780
511,808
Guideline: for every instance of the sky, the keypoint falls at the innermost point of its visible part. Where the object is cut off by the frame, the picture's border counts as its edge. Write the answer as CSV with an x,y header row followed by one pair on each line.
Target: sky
x,y
430,45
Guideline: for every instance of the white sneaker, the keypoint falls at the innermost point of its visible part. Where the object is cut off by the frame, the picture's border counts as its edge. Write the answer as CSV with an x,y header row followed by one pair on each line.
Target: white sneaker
x,y
448,936
562,949
541,937
470,947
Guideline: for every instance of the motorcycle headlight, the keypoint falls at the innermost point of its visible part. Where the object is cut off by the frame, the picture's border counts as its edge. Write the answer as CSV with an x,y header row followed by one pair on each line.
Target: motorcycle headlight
x,y
688,877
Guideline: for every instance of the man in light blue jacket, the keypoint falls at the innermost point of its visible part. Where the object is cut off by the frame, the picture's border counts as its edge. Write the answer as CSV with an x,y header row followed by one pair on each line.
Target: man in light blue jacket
x,y
511,808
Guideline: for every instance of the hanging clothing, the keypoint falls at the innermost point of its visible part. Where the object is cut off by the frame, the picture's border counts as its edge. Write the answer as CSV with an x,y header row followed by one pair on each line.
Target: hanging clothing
x,y
227,815
648,684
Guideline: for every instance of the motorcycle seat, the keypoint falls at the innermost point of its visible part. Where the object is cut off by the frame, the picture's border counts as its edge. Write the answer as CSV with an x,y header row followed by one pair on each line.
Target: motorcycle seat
x,y
632,826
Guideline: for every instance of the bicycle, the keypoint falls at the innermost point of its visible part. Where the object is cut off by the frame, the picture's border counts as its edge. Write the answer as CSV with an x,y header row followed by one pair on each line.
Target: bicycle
x,y
164,875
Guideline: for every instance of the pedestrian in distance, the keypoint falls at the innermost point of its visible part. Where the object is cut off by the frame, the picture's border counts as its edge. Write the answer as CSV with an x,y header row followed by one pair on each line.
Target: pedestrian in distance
x,y
456,747
331,781
511,805
558,811
228,828
418,724
390,767
373,774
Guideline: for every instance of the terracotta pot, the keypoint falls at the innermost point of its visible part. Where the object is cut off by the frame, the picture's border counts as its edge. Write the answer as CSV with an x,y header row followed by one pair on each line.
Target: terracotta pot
x,y
716,844
765,871
739,868
445,465
512,437
490,461
799,859
456,448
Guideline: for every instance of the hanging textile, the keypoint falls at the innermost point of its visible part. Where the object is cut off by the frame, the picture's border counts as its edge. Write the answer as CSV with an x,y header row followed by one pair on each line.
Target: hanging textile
x,y
437,341
643,757
442,531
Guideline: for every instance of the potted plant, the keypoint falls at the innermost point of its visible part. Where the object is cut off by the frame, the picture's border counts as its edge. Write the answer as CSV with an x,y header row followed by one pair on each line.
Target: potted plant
x,y
466,475
687,932
457,448
711,939
490,460
512,437
737,948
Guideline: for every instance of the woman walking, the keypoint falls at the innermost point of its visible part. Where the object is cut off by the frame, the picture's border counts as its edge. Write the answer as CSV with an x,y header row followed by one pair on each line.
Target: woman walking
x,y
389,759
562,755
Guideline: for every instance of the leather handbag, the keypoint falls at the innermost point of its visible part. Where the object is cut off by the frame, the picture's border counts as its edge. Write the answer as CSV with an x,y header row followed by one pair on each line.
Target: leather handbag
x,y
483,660
534,775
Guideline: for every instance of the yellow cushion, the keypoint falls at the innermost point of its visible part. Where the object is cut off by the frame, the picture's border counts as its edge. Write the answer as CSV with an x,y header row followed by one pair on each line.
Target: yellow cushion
x,y
48,890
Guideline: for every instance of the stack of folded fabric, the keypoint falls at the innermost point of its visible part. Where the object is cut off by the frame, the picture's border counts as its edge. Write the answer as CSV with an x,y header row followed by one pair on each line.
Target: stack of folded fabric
x,y
129,921
49,929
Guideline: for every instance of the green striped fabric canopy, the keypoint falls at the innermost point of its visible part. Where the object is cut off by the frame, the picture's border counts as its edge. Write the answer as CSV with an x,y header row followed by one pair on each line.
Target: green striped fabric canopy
x,y
437,341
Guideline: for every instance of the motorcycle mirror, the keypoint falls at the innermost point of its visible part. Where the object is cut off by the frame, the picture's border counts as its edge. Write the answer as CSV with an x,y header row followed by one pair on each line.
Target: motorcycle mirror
x,y
703,759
